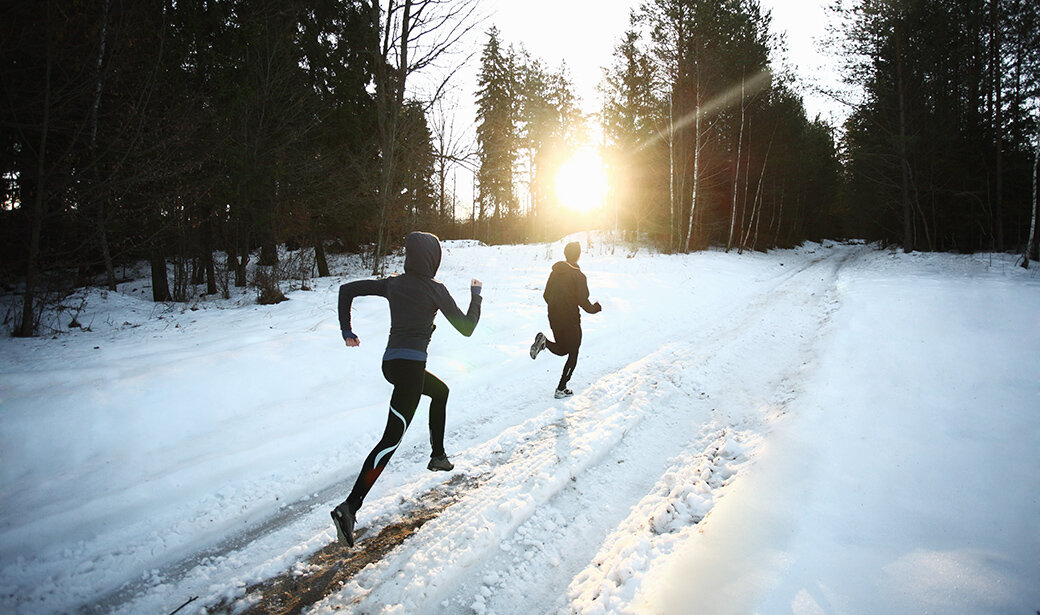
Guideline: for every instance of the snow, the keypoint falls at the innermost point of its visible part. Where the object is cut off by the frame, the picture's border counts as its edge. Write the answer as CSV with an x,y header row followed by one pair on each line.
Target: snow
x,y
830,429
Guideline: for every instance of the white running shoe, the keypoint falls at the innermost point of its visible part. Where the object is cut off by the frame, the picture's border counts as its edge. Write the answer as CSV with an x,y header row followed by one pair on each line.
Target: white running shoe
x,y
561,393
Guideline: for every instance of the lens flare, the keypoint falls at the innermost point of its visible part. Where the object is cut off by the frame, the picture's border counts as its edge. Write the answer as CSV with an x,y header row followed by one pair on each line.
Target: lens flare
x,y
581,181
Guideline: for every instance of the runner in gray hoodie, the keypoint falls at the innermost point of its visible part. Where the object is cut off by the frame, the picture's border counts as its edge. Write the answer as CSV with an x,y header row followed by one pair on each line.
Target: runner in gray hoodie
x,y
415,298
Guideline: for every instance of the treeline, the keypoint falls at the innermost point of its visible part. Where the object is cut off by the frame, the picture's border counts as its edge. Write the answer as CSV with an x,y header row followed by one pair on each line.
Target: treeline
x,y
528,123
200,134
174,131
708,144
713,143
941,153
705,143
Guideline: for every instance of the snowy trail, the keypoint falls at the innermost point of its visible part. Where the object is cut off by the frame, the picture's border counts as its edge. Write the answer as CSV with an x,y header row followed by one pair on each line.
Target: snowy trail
x,y
727,422
520,541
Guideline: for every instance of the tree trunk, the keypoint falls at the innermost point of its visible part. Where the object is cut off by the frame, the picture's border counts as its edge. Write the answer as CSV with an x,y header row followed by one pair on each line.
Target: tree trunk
x,y
207,254
160,281
241,258
904,162
756,205
319,257
268,253
106,253
1031,245
672,224
389,101
28,324
736,173
696,152
998,127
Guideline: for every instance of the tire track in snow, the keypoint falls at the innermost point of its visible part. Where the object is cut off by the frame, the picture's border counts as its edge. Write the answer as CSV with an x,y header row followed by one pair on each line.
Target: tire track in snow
x,y
571,464
532,464
566,484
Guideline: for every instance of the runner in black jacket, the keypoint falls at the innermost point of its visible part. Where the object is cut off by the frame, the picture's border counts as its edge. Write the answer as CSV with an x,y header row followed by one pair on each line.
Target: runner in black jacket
x,y
566,290
414,297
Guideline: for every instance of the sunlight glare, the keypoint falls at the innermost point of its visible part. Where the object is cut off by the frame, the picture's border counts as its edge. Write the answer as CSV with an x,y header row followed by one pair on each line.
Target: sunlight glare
x,y
581,181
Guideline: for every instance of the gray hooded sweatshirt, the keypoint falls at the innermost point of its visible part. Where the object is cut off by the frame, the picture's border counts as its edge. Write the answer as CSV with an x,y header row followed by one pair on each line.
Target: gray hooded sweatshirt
x,y
415,297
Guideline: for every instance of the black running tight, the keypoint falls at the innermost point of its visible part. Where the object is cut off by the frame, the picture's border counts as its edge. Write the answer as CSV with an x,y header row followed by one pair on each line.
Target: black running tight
x,y
568,341
411,381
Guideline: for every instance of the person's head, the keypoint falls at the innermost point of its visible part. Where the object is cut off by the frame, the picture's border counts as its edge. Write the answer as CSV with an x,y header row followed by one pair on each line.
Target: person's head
x,y
571,252
422,254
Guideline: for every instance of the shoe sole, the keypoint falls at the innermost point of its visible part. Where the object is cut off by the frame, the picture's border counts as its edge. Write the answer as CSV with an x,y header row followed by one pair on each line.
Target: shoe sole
x,y
537,346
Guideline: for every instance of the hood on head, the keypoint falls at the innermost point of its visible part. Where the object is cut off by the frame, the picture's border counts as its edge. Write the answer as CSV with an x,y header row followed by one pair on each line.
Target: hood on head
x,y
571,252
422,254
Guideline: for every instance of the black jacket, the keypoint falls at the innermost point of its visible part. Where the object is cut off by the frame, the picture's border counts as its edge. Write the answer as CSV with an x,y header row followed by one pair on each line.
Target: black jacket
x,y
566,290
415,297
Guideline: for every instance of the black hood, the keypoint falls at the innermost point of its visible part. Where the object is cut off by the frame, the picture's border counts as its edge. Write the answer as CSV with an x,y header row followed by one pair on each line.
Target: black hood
x,y
422,254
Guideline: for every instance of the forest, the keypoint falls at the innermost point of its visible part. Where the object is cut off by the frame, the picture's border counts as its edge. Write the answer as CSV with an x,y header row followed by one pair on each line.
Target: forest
x,y
202,136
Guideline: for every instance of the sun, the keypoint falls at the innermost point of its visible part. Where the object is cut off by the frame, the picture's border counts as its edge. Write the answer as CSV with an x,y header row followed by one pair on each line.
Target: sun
x,y
581,181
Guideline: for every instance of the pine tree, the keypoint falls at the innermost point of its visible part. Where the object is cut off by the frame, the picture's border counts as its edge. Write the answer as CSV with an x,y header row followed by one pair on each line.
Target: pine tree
x,y
633,117
497,135
939,150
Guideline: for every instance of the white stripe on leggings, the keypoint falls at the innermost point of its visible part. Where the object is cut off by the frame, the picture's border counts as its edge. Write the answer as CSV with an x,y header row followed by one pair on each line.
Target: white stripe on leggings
x,y
391,449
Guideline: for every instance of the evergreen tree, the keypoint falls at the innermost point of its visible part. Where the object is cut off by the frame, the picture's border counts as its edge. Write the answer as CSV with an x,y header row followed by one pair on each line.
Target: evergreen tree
x,y
633,118
715,60
939,153
497,135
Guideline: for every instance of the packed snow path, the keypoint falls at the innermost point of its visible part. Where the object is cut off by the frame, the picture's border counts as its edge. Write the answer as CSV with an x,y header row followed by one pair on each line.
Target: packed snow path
x,y
586,491
684,470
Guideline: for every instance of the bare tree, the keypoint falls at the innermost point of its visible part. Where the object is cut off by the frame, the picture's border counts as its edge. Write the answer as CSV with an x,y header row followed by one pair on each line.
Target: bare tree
x,y
413,36
452,147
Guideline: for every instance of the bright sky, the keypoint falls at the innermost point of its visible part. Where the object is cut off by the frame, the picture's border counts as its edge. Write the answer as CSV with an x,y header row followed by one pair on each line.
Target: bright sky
x,y
584,33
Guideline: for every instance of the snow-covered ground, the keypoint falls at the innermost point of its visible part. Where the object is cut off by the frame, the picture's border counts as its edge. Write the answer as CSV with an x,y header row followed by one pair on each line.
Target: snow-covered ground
x,y
831,429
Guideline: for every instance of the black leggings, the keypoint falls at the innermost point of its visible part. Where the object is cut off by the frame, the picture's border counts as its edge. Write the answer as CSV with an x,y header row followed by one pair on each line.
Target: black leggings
x,y
411,381
568,341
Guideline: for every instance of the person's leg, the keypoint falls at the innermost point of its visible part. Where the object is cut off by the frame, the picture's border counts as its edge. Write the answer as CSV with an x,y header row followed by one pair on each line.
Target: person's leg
x,y
572,335
560,346
407,378
437,391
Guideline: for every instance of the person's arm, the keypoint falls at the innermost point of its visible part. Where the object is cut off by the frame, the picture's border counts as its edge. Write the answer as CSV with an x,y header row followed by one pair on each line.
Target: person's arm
x,y
549,294
347,292
465,323
582,295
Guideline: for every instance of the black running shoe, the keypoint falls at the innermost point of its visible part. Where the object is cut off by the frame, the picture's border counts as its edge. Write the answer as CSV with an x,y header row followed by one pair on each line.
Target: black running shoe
x,y
343,519
440,463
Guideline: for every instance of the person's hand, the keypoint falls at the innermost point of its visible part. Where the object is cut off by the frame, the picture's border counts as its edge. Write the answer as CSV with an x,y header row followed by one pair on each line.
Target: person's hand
x,y
352,342
599,308
475,282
